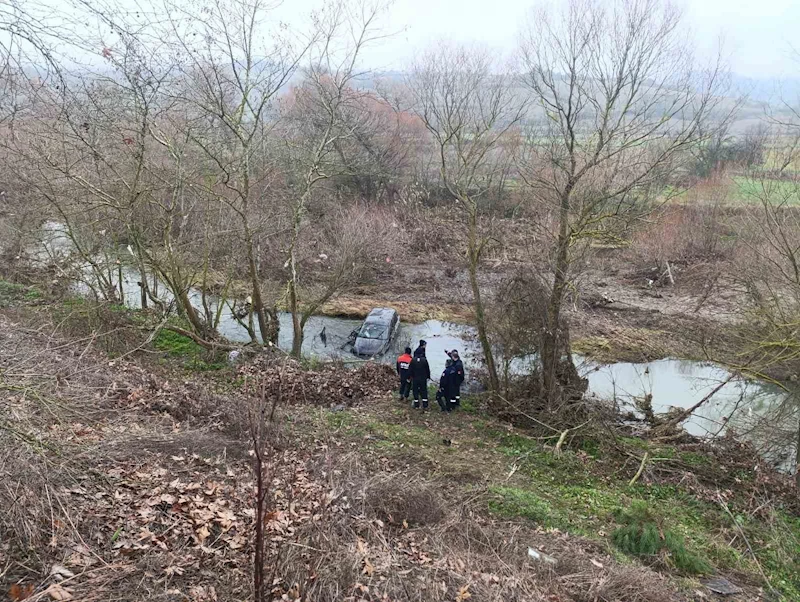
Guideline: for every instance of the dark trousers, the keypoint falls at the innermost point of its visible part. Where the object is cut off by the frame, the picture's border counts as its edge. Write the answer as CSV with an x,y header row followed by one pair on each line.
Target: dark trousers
x,y
442,400
421,391
454,395
405,387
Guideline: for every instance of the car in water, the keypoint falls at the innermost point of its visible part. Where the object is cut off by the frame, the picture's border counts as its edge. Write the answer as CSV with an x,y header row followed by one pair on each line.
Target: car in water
x,y
377,332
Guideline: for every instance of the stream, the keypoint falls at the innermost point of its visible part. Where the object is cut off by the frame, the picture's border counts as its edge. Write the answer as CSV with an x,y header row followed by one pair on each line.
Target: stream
x,y
673,383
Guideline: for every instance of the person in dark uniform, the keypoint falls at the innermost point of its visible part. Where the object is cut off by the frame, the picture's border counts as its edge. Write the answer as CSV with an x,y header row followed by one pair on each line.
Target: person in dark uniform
x,y
421,349
404,372
455,378
420,374
443,394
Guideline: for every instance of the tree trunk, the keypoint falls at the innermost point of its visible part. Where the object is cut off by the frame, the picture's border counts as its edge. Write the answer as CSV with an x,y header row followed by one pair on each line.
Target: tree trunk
x,y
797,452
554,347
191,314
143,288
297,325
473,253
267,329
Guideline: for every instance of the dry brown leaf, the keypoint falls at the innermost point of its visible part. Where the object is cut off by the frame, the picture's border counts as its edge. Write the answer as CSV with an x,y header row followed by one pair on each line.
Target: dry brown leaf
x,y
56,592
368,568
19,592
463,594
599,565
202,534
270,517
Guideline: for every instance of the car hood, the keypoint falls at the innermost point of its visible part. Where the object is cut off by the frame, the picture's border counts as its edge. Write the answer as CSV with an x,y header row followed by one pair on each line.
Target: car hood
x,y
364,346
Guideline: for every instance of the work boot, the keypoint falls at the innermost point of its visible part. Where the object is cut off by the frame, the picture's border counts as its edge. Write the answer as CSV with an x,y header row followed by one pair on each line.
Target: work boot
x,y
415,405
424,405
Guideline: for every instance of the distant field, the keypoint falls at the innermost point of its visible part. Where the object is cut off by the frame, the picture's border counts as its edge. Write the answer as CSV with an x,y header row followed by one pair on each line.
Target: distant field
x,y
747,190
739,190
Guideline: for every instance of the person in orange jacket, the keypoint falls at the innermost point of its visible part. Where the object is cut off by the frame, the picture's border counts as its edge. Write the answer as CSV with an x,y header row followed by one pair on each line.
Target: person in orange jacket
x,y
403,371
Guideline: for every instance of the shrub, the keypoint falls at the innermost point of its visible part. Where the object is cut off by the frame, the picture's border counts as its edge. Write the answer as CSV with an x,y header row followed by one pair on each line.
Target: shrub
x,y
642,534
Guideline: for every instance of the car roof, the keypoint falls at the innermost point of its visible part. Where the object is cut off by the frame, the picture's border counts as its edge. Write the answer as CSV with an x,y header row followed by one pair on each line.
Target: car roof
x,y
381,315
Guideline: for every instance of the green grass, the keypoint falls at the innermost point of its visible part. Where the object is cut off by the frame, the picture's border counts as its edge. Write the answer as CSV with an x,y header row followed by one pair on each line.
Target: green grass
x,y
512,502
644,534
13,294
195,358
176,344
569,494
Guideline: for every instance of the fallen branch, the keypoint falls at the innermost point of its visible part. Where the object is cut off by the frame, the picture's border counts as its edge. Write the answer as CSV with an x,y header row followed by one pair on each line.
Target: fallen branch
x,y
675,421
563,436
640,471
561,439
669,275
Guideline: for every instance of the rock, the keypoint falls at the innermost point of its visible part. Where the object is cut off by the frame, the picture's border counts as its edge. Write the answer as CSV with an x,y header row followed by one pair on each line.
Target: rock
x,y
720,585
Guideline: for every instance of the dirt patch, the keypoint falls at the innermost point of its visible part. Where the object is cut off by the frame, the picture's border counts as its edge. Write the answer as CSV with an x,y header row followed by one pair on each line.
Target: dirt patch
x,y
414,312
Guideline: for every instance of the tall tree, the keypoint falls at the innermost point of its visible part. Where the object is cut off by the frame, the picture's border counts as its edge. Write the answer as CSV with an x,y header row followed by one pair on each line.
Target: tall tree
x,y
619,102
328,110
466,103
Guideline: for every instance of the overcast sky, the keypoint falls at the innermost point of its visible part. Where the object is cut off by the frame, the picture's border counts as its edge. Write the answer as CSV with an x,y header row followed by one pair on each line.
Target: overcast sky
x,y
758,34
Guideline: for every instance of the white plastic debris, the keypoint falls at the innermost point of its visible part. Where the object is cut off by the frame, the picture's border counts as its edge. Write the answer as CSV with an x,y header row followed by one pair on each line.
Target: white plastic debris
x,y
541,556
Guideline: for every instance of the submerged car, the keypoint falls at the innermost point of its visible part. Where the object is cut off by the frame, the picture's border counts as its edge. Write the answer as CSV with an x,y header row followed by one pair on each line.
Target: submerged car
x,y
376,333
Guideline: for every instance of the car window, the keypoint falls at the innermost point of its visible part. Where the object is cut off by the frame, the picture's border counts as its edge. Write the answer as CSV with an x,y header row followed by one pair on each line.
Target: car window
x,y
371,330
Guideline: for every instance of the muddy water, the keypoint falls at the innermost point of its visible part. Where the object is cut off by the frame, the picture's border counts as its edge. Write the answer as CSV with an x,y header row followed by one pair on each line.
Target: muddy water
x,y
672,383
439,336
681,384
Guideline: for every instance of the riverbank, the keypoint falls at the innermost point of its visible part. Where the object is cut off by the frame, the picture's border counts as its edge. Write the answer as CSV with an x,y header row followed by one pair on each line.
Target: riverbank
x,y
131,472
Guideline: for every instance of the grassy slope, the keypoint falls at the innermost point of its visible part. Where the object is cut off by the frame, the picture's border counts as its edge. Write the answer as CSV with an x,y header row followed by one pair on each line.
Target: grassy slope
x,y
576,492
518,478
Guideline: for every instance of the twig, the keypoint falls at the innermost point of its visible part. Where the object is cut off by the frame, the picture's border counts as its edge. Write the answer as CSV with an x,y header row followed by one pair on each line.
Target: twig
x,y
529,417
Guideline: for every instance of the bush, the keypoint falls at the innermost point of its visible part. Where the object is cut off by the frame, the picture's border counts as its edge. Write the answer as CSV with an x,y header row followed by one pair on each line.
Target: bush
x,y
642,534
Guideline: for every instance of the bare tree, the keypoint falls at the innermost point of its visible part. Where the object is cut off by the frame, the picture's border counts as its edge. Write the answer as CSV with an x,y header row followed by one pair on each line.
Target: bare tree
x,y
768,264
232,77
327,110
467,105
620,102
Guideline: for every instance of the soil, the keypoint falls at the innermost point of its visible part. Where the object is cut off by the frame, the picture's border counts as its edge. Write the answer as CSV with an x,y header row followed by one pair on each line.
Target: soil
x,y
618,315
